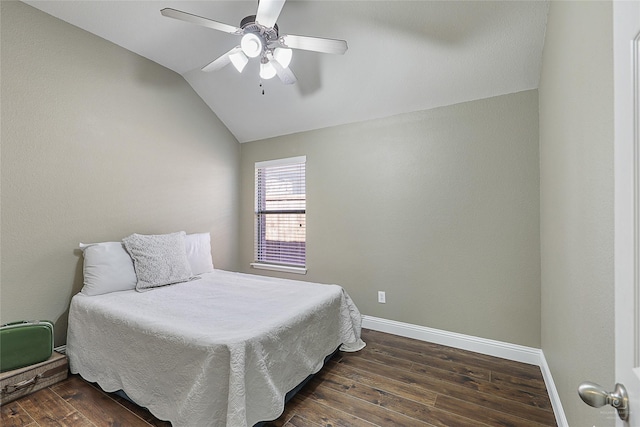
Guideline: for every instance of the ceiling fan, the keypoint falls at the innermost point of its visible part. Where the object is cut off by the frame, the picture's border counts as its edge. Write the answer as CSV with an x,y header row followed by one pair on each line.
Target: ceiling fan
x,y
261,39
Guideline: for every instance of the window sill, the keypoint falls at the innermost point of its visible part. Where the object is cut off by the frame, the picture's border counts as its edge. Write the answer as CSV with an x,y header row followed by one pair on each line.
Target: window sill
x,y
275,267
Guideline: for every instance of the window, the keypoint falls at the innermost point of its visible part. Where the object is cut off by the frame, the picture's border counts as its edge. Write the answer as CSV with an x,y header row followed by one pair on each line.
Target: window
x,y
280,215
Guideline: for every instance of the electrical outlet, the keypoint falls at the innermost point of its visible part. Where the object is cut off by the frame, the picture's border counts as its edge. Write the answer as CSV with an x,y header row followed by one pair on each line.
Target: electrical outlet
x,y
382,297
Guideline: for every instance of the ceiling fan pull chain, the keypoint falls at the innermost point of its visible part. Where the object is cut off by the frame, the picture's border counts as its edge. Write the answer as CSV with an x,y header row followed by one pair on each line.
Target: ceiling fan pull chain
x,y
261,86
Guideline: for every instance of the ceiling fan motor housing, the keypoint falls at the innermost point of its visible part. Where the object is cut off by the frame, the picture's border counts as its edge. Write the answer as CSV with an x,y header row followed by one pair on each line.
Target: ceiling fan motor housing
x,y
249,25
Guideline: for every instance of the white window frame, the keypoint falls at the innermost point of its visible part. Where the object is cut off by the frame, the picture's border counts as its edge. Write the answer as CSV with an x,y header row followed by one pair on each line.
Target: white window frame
x,y
270,264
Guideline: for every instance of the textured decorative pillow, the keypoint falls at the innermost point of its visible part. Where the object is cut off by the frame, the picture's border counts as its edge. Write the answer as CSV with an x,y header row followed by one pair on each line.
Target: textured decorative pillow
x,y
198,246
159,260
107,268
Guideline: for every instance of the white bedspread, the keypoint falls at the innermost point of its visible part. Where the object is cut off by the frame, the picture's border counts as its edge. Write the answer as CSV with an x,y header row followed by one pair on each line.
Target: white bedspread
x,y
219,351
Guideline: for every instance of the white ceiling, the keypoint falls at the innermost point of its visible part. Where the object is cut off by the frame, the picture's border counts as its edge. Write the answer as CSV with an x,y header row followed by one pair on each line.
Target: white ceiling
x,y
403,55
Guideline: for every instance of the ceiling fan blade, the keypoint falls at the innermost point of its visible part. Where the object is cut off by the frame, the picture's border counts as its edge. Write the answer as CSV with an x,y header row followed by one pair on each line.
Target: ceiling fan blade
x,y
222,61
199,20
285,75
268,12
315,44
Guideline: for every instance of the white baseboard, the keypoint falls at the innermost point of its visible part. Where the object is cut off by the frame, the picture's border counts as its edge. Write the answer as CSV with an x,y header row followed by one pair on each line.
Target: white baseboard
x,y
515,352
518,353
561,418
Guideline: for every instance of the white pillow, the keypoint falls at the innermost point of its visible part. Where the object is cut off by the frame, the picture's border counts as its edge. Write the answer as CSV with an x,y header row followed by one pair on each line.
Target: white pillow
x,y
159,259
107,268
198,247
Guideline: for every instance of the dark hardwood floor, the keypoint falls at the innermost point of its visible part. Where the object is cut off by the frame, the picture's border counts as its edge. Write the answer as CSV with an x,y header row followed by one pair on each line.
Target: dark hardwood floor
x,y
394,381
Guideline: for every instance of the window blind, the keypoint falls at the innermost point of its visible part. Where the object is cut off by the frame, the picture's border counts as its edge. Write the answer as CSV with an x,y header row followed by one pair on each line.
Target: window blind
x,y
280,212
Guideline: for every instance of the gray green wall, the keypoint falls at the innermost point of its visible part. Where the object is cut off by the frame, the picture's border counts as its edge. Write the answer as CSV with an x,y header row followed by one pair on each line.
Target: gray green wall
x,y
577,218
438,208
98,143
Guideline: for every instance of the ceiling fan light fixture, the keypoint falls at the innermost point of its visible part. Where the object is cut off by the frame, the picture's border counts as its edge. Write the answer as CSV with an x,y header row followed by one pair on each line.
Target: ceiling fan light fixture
x,y
283,56
251,45
260,36
267,71
239,60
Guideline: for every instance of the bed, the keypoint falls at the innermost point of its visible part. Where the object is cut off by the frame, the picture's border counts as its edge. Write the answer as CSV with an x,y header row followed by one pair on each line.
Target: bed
x,y
222,350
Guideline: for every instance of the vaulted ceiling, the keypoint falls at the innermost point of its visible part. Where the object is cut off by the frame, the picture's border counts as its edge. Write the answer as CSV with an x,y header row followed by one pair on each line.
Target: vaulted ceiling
x,y
403,55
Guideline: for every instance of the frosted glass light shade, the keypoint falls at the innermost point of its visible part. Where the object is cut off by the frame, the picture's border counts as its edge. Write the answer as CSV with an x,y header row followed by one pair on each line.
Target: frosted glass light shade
x,y
239,60
251,45
267,71
283,56
280,54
